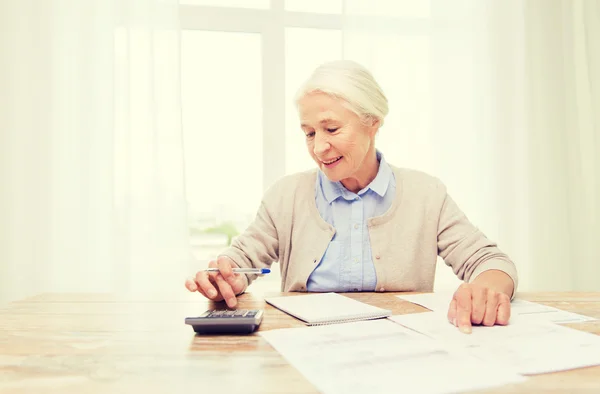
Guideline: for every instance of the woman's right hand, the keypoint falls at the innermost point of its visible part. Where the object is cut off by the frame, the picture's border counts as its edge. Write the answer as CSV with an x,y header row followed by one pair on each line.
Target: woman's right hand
x,y
219,286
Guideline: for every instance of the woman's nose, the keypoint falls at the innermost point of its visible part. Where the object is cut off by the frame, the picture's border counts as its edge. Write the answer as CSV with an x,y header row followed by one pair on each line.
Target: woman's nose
x,y
321,145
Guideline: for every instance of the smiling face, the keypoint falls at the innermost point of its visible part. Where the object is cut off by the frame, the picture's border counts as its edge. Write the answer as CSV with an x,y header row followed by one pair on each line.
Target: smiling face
x,y
337,140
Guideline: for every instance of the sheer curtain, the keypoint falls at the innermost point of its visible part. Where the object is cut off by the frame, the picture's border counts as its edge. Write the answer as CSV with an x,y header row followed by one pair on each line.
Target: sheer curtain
x,y
563,79
91,147
500,100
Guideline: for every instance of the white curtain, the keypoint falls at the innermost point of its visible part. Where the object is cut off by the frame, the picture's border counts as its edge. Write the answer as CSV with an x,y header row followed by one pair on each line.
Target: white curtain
x,y
92,192
563,82
501,100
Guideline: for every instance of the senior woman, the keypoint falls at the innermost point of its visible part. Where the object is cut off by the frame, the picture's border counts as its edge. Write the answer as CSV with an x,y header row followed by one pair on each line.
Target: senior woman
x,y
358,223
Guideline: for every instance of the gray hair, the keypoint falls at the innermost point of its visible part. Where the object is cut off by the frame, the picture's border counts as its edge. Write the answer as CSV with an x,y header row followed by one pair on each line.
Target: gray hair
x,y
351,82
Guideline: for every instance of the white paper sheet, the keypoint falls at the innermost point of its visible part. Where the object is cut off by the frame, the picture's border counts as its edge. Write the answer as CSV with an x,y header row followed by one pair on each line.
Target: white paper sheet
x,y
439,302
530,347
382,357
542,313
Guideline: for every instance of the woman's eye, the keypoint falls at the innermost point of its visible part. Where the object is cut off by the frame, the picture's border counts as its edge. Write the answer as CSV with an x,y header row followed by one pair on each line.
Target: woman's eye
x,y
332,130
310,135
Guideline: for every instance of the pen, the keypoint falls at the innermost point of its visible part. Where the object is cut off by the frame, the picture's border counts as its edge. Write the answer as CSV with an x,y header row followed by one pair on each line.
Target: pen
x,y
258,271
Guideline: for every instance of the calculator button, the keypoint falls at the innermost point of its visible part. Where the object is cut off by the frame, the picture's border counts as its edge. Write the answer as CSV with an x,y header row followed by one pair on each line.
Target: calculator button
x,y
216,314
251,314
240,312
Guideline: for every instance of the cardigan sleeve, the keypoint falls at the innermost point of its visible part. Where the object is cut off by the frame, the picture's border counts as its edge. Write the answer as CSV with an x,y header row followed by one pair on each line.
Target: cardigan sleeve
x,y
466,249
257,246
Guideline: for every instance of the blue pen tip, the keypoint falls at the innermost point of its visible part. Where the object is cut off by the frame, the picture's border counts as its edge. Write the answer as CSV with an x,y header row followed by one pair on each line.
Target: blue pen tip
x,y
265,271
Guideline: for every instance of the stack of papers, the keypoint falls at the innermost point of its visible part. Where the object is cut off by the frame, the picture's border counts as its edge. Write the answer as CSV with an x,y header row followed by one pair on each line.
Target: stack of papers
x,y
424,353
379,356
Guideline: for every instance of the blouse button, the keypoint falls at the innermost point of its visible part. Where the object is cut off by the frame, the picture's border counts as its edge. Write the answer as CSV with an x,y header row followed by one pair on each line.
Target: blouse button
x,y
377,257
381,289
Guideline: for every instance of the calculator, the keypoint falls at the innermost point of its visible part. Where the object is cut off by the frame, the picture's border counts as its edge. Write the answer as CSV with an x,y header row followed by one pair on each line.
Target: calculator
x,y
239,321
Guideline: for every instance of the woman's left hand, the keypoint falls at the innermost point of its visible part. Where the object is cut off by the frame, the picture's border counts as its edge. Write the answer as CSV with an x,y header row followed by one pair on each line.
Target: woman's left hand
x,y
476,304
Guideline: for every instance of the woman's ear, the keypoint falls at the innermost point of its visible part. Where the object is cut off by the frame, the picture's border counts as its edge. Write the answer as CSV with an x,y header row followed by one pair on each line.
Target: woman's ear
x,y
373,126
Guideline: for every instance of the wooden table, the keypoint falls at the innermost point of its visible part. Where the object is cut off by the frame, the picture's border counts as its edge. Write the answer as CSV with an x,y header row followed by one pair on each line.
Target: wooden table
x,y
87,343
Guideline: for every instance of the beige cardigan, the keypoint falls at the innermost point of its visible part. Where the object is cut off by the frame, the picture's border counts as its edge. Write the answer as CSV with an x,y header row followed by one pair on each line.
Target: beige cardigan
x,y
422,222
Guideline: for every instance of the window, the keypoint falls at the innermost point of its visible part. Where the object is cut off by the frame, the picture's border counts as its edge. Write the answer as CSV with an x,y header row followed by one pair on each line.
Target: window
x,y
222,124
315,6
389,8
260,4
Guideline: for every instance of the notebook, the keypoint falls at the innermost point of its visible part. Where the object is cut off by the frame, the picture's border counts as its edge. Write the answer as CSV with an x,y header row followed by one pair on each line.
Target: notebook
x,y
327,308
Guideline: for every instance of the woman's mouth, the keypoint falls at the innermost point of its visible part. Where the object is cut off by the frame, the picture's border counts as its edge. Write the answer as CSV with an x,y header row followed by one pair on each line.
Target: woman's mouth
x,y
331,162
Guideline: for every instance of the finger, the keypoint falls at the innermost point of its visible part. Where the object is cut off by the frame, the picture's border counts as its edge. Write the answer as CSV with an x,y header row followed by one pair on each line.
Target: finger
x,y
190,284
212,276
226,291
478,304
503,316
226,270
452,312
491,309
204,293
463,310
205,286
239,284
